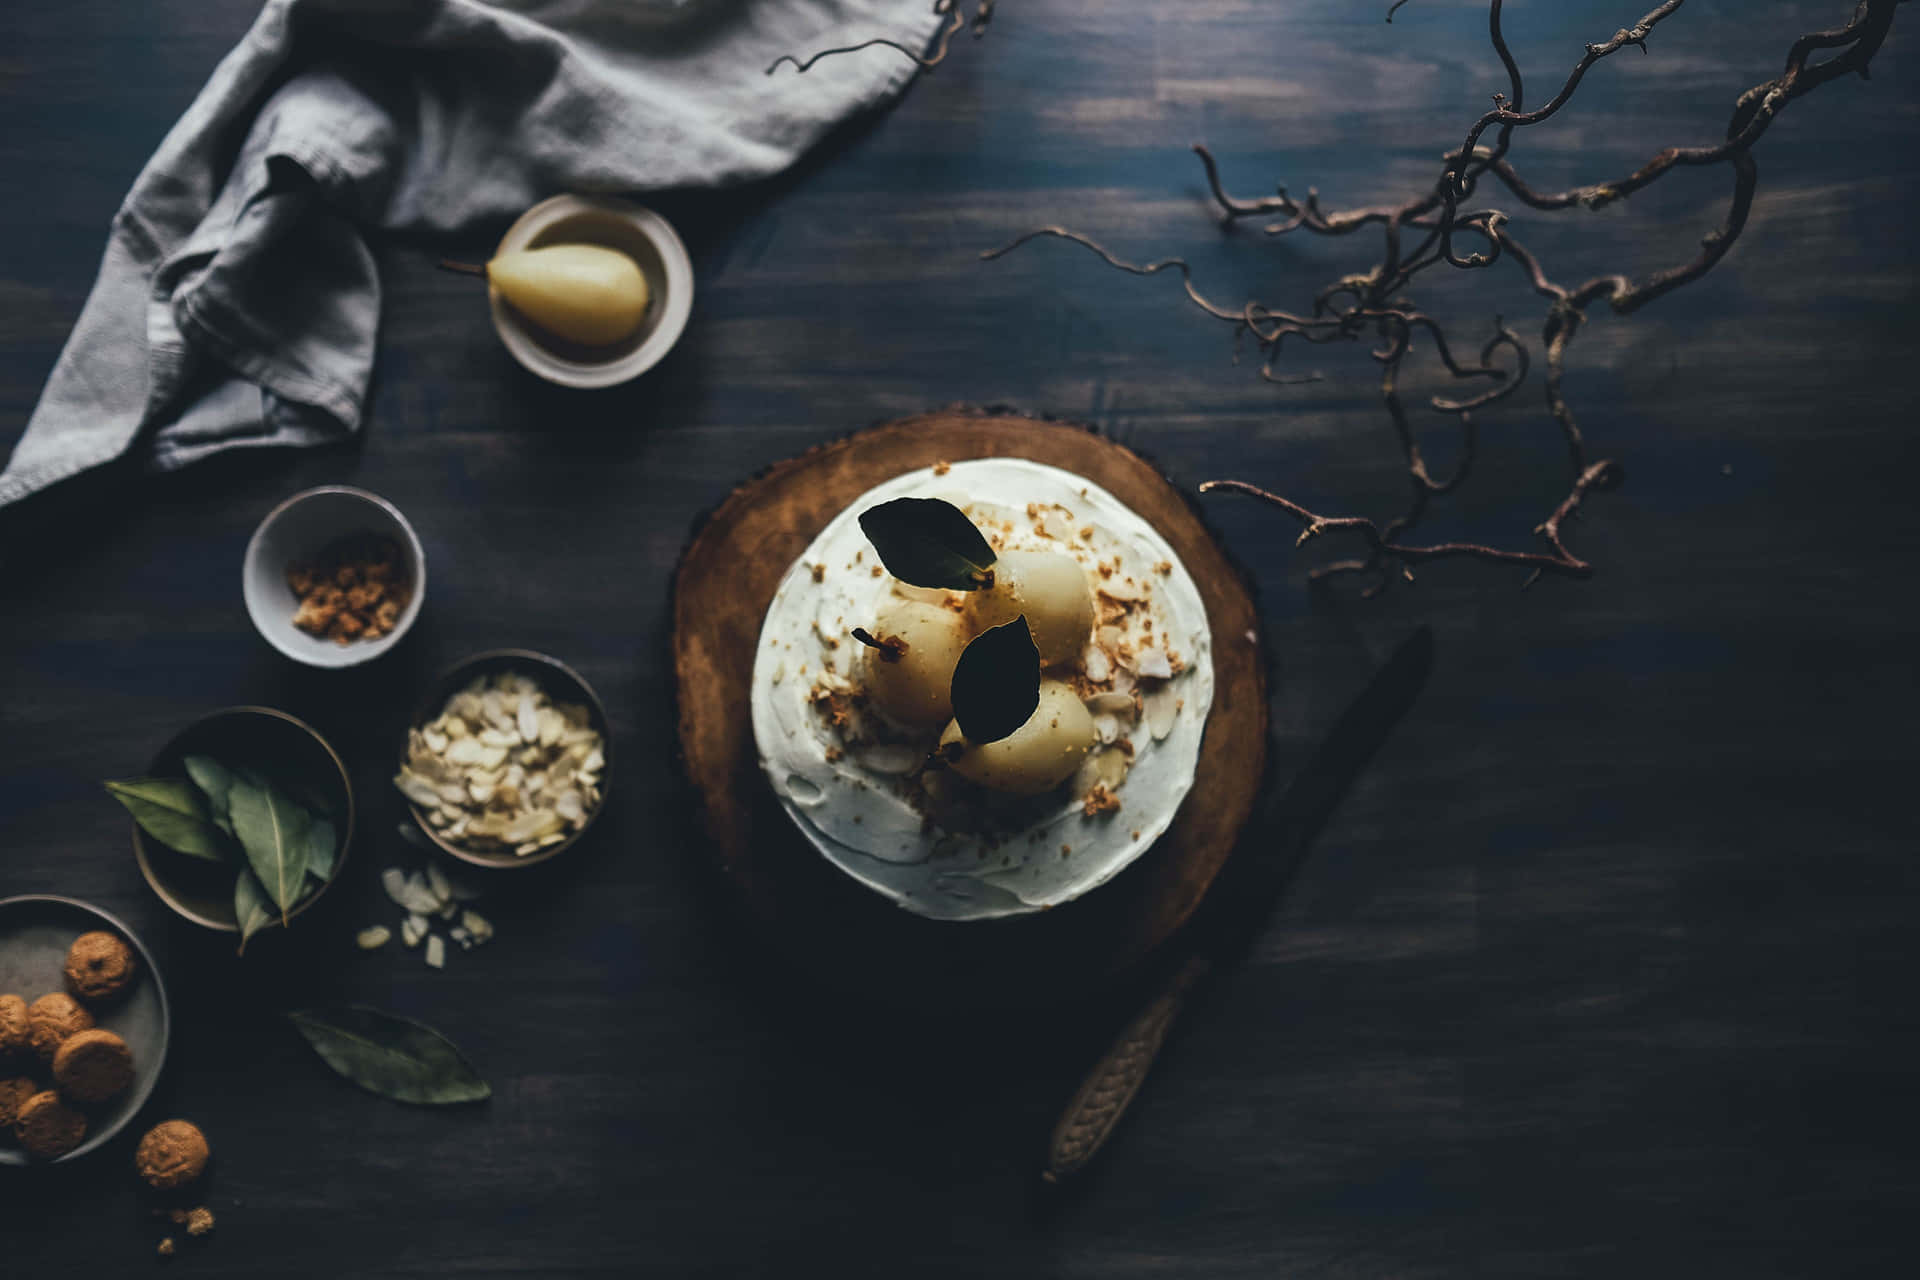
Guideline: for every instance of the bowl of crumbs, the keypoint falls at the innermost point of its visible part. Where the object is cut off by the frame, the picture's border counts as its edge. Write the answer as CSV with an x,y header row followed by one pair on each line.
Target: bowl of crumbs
x,y
506,759
334,576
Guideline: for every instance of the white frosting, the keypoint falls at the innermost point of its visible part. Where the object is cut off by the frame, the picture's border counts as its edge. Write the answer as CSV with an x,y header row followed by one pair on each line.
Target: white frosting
x,y
857,815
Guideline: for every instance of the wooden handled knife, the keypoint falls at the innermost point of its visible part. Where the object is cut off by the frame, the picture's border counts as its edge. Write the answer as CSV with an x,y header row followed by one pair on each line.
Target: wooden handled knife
x,y
1241,901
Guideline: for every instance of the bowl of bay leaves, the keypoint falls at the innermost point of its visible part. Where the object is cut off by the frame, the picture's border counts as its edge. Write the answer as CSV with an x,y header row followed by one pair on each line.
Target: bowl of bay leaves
x,y
242,820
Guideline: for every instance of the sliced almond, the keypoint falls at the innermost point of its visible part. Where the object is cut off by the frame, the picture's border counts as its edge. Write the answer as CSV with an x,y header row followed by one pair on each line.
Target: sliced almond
x,y
1152,664
1162,707
372,939
476,925
1098,667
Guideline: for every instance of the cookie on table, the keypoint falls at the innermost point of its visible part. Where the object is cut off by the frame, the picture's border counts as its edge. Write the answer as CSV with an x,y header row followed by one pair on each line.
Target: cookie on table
x,y
51,1019
173,1154
48,1127
92,1066
100,966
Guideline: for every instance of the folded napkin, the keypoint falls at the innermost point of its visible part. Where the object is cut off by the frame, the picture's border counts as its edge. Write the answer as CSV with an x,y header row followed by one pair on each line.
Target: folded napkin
x,y
238,303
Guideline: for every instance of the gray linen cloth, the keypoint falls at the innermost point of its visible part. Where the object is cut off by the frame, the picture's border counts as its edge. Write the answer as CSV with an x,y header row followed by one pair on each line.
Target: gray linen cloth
x,y
238,303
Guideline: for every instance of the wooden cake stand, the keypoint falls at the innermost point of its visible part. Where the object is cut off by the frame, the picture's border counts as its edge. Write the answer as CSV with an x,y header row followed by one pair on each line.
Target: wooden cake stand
x,y
822,918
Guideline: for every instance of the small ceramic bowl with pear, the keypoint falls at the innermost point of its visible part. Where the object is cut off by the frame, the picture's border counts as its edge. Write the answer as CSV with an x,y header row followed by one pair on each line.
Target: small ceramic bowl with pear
x,y
589,291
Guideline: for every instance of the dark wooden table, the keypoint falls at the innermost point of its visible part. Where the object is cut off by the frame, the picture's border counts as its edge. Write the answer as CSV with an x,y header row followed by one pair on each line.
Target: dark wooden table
x,y
1604,969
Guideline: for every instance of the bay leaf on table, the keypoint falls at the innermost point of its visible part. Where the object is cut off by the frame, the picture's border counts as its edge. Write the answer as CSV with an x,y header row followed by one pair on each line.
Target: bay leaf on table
x,y
172,811
273,832
250,906
389,1055
215,780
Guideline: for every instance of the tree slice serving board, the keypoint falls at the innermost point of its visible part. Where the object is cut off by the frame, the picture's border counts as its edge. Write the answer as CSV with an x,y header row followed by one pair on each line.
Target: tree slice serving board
x,y
726,579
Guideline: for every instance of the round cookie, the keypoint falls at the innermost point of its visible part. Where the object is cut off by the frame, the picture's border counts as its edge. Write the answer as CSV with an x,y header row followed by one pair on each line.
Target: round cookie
x,y
92,1066
14,1036
172,1154
100,965
51,1019
48,1127
13,1095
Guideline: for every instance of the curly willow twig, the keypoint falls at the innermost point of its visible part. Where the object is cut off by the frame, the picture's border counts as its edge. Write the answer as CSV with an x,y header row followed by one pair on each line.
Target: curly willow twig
x,y
1425,231
982,18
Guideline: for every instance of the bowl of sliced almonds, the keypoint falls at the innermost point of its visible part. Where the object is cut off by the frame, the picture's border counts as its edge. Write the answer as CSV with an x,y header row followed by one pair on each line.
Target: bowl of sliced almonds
x,y
507,759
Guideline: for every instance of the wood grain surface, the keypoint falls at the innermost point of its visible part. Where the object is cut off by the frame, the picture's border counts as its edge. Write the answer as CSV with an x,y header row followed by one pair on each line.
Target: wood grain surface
x,y
722,589
1603,969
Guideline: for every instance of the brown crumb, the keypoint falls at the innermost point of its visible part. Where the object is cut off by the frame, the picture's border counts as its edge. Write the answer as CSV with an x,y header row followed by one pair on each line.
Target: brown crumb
x,y
1136,835
877,571
1065,849
834,705
1163,568
820,572
1100,800
165,1248
199,1221
833,754
1086,533
353,589
941,468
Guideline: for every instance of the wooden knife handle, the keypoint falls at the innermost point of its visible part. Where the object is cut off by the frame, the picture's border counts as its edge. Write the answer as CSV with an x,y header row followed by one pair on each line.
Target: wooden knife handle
x,y
1103,1097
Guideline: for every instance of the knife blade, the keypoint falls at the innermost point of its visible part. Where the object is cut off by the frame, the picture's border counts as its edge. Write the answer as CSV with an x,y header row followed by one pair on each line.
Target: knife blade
x,y
1241,901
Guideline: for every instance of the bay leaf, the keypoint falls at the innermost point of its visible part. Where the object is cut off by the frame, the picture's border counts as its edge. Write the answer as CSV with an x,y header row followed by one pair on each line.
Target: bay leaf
x,y
172,811
250,906
996,683
215,780
273,832
389,1055
929,543
322,846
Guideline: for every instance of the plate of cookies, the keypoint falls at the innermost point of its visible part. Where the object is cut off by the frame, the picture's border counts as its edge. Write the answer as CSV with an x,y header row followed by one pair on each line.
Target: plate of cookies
x,y
83,1028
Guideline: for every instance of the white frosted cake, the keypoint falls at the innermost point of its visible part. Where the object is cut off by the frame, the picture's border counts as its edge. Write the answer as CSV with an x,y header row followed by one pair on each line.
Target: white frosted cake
x,y
850,729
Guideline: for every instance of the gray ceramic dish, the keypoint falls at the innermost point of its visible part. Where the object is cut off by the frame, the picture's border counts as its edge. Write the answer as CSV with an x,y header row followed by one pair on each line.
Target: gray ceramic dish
x,y
35,933
563,684
642,235
297,530
200,890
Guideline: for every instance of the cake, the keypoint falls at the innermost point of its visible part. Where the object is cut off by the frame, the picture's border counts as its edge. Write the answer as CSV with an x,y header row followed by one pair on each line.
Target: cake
x,y
862,706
